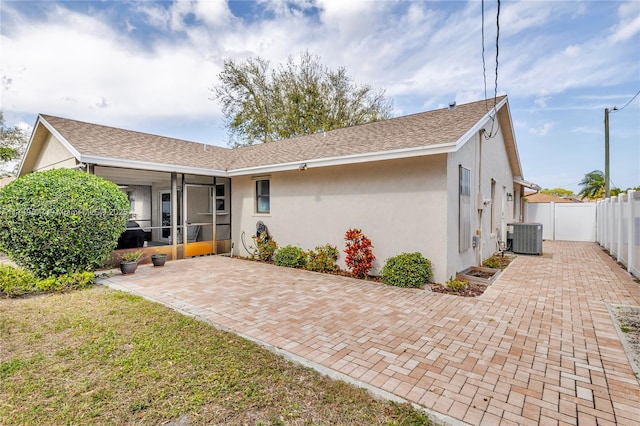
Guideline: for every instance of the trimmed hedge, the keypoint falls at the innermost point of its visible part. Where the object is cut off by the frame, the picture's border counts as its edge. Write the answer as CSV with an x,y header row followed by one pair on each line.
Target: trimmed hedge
x,y
290,256
407,270
61,221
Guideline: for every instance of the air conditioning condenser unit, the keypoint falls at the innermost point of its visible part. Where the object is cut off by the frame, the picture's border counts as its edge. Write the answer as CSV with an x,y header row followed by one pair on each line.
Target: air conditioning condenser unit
x,y
525,238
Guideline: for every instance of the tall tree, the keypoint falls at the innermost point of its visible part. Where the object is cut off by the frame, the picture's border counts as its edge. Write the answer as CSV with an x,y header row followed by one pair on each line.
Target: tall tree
x,y
558,192
13,141
298,98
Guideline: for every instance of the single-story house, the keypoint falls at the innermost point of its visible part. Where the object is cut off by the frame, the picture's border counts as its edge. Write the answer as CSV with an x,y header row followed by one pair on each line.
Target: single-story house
x,y
444,183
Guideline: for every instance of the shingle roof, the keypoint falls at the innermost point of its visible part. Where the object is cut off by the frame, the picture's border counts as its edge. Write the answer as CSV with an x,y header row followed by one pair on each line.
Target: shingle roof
x,y
111,142
425,129
546,198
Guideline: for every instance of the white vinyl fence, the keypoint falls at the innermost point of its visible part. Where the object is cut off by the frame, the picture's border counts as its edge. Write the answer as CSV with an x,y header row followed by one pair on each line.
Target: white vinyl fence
x,y
619,229
564,221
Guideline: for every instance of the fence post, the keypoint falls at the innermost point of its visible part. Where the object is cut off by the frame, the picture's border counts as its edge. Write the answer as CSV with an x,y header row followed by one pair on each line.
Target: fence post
x,y
610,222
619,230
631,266
605,223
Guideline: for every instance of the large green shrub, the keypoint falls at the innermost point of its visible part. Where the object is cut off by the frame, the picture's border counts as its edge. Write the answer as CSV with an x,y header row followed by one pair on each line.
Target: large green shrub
x,y
290,256
407,270
60,221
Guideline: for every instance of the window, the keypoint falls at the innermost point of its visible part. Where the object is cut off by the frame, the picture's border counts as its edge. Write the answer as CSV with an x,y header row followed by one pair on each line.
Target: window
x,y
464,210
262,196
494,225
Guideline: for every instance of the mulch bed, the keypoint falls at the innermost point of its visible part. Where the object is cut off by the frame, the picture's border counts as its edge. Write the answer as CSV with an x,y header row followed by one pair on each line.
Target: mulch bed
x,y
481,274
471,290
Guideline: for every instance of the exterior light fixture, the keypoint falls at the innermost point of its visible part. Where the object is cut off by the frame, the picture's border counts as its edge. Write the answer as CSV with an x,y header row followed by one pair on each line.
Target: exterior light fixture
x,y
509,196
302,167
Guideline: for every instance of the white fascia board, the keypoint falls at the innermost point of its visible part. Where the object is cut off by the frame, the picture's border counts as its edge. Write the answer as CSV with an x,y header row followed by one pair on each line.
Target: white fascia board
x,y
58,136
526,183
145,165
348,159
26,151
480,124
513,135
55,133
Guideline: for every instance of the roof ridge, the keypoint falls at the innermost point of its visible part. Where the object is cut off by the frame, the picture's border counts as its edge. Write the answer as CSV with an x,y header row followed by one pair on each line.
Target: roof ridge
x,y
370,123
121,129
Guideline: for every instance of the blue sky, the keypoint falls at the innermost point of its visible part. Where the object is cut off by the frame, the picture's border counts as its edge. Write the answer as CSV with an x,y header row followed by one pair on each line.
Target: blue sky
x,y
149,66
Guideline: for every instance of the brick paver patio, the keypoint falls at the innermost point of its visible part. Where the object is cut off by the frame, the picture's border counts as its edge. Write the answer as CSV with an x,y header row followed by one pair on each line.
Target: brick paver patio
x,y
539,347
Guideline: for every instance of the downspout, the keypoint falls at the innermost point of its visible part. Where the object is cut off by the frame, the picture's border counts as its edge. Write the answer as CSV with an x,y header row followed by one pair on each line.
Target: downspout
x,y
479,200
522,202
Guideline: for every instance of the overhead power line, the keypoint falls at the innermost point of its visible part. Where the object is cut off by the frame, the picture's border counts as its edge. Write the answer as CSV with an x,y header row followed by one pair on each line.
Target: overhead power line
x,y
484,68
625,105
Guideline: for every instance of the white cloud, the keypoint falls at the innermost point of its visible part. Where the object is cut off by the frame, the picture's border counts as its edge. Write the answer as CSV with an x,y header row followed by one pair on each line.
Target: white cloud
x,y
543,129
78,66
215,13
541,102
156,15
629,24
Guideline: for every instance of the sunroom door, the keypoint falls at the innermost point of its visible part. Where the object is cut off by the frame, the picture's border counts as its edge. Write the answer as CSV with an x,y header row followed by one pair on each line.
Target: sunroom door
x,y
199,224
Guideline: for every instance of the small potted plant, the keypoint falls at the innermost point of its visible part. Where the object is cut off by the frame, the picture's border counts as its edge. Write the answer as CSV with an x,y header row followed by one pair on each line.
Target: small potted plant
x,y
158,259
129,262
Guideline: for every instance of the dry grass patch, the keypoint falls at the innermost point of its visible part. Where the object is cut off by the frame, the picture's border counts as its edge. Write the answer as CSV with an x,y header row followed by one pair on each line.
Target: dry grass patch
x,y
105,357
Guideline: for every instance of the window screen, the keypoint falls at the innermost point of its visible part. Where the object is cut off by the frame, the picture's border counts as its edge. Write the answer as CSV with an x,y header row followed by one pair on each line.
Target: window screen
x,y
263,204
464,210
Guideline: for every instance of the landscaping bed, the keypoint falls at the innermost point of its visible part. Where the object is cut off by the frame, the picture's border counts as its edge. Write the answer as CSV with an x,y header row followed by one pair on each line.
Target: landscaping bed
x,y
627,320
471,290
479,275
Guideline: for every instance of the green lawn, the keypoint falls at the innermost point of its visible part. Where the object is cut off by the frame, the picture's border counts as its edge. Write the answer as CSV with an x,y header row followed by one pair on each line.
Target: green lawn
x,y
104,357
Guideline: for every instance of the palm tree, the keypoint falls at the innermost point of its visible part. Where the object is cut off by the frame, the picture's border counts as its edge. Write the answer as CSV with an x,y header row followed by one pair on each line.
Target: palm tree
x,y
592,185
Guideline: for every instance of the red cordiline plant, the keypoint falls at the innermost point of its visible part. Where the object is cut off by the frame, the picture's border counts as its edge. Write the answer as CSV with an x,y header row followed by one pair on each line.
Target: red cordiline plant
x,y
359,253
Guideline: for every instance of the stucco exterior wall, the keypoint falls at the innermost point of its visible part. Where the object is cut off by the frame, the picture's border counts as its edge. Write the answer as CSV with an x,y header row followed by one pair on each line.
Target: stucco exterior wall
x,y
53,155
488,161
398,204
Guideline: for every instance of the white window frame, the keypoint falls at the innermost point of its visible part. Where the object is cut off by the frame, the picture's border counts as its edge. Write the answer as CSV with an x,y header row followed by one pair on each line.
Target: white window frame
x,y
465,236
213,200
259,196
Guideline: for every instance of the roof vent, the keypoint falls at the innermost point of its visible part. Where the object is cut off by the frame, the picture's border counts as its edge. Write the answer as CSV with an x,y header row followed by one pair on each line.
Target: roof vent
x,y
452,106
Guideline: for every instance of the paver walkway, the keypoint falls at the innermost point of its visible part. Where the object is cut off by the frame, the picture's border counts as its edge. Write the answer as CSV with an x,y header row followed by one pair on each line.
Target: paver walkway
x,y
538,347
